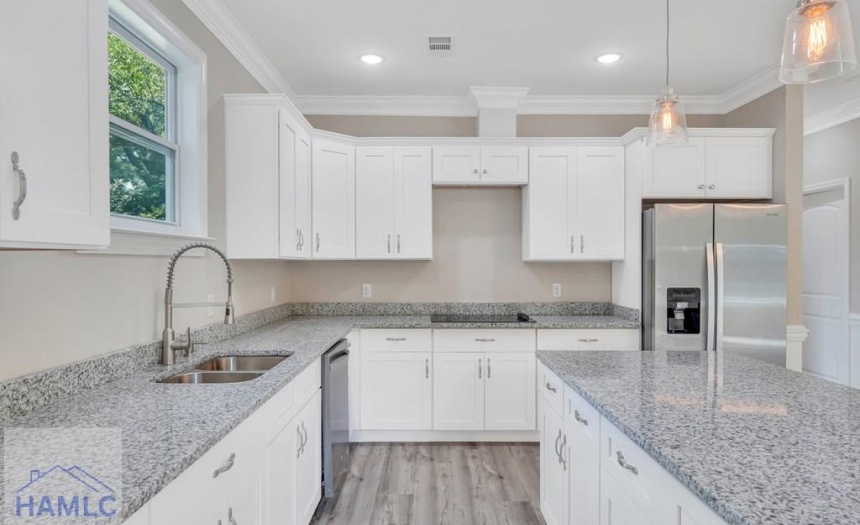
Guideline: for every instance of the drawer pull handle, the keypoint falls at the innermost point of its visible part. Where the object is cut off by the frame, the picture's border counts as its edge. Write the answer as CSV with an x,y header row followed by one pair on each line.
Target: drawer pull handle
x,y
551,388
225,468
395,339
301,441
485,340
305,438
579,418
230,516
626,465
561,453
590,340
22,186
557,453
426,369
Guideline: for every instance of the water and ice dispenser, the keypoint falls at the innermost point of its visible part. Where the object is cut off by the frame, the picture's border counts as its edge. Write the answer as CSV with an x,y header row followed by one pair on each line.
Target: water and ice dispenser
x,y
683,310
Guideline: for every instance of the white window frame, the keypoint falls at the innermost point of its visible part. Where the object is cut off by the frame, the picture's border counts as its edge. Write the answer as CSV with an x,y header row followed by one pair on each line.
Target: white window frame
x,y
189,106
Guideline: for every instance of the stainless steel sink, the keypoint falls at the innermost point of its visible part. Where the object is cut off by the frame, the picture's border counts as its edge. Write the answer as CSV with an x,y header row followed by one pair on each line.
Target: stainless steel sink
x,y
255,363
211,377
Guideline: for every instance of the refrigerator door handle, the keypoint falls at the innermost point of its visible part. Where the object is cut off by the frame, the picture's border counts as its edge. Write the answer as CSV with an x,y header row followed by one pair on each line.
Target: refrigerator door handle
x,y
709,255
721,297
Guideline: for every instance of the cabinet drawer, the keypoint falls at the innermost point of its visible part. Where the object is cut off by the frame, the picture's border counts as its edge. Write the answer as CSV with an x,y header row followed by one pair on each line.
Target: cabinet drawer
x,y
307,383
551,389
483,340
407,340
588,339
582,422
634,470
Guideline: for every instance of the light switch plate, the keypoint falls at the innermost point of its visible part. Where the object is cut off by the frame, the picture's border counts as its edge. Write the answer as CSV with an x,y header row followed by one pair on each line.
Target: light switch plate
x,y
366,290
556,290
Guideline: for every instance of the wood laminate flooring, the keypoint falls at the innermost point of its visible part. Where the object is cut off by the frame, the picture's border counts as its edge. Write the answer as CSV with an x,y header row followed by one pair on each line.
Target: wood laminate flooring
x,y
438,484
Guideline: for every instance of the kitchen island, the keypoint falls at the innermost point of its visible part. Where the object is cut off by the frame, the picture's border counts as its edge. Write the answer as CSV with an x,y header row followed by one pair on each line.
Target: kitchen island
x,y
756,443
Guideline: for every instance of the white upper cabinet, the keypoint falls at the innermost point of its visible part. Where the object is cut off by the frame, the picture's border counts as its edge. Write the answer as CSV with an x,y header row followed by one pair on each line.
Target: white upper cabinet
x,y
295,190
333,200
59,131
714,164
394,216
504,165
573,206
267,180
481,165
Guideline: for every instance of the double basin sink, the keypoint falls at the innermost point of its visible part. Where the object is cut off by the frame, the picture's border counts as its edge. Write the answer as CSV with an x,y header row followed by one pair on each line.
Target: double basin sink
x,y
230,369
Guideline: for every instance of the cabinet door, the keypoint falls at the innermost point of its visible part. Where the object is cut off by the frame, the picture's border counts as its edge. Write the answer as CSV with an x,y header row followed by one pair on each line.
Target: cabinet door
x,y
413,203
278,499
396,391
676,171
553,473
243,503
374,203
458,391
616,508
584,493
308,470
60,131
546,217
739,168
294,188
685,508
456,164
504,165
509,401
303,192
333,200
599,204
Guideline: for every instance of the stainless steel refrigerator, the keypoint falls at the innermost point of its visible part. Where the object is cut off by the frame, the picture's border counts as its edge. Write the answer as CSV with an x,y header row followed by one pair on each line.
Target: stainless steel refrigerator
x,y
714,278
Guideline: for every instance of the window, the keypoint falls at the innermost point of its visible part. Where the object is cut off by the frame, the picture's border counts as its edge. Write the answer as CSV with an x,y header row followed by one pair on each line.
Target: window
x,y
143,148
158,125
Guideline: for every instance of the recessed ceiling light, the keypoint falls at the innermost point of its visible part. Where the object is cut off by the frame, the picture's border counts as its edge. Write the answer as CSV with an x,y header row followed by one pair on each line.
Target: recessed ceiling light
x,y
608,58
371,59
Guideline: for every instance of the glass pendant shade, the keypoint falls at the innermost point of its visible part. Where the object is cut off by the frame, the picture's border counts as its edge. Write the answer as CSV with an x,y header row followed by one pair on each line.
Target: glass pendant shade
x,y
819,42
668,123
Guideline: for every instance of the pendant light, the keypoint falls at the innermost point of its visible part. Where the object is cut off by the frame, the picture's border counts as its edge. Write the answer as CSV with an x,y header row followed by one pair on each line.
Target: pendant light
x,y
668,123
819,42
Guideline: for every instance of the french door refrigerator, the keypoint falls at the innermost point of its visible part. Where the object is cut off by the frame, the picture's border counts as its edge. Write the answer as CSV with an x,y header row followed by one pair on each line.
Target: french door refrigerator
x,y
714,278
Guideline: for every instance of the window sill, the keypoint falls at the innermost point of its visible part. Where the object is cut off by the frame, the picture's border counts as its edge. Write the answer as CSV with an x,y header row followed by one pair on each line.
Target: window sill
x,y
147,244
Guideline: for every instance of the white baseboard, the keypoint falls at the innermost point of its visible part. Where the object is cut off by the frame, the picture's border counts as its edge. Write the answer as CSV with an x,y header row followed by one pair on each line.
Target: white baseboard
x,y
444,436
795,336
854,349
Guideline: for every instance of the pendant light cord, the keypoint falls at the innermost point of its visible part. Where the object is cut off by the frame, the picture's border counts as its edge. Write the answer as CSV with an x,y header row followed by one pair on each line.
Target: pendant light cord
x,y
667,43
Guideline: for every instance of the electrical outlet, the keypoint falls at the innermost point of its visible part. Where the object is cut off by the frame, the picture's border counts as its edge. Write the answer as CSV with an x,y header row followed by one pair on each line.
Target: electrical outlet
x,y
211,310
272,294
366,290
556,290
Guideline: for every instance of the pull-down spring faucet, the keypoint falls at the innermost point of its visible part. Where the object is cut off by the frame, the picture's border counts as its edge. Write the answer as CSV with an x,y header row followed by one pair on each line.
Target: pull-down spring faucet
x,y
169,345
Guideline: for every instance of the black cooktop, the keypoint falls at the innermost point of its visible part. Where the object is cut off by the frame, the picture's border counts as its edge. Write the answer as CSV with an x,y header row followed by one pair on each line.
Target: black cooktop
x,y
489,319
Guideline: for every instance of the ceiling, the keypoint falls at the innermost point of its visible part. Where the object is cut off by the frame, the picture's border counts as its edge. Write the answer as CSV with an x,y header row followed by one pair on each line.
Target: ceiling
x,y
546,45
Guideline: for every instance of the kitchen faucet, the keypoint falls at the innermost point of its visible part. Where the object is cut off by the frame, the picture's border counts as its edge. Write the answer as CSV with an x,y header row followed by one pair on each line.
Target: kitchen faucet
x,y
169,345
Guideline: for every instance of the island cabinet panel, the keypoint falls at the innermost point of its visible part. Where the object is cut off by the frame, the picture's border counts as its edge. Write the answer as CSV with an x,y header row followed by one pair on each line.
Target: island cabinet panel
x,y
592,473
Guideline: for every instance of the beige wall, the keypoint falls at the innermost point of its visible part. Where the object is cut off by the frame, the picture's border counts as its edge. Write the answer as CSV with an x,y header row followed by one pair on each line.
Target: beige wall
x,y
783,109
596,125
477,257
833,154
60,307
379,126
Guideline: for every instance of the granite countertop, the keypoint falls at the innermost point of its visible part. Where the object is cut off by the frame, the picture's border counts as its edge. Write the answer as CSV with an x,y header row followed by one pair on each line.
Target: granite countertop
x,y
165,428
759,444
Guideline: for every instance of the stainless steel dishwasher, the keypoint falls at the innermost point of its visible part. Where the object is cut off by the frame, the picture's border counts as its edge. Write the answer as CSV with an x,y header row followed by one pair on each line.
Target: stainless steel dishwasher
x,y
335,416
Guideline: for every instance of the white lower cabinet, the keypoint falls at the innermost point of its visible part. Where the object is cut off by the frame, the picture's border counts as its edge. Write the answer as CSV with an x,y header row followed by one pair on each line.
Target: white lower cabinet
x,y
396,390
588,339
554,480
509,392
591,473
267,471
458,391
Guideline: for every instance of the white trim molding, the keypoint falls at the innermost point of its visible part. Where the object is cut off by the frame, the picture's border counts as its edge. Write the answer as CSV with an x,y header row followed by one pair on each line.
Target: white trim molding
x,y
795,337
498,97
832,117
217,18
393,105
854,349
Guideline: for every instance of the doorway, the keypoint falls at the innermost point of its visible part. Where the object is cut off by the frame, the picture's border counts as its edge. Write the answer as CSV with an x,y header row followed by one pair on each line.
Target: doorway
x,y
826,279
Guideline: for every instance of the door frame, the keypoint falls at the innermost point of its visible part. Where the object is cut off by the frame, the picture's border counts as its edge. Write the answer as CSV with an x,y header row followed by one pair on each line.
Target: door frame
x,y
845,256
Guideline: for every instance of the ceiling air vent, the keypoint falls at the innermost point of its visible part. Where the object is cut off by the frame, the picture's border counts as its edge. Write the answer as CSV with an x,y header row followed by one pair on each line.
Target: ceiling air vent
x,y
440,46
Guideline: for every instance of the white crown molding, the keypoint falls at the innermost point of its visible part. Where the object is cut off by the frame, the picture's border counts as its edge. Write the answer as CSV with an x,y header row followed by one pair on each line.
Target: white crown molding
x,y
832,117
498,97
391,105
755,87
218,19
